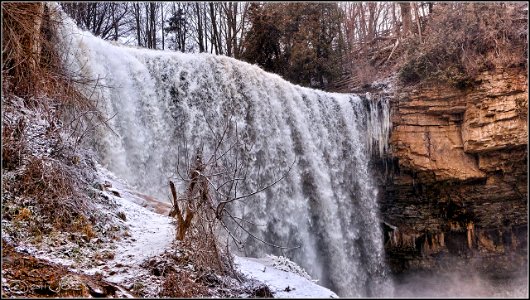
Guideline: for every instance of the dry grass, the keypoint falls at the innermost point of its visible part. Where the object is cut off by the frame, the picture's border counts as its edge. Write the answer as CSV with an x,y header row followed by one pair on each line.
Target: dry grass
x,y
32,71
20,50
24,276
32,67
207,253
49,186
180,285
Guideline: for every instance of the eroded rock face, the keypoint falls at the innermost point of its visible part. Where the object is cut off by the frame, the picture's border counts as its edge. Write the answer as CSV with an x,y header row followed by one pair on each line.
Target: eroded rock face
x,y
498,121
455,190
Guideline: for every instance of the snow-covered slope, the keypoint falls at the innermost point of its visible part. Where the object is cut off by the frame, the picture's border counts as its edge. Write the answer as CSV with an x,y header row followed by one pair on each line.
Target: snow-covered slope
x,y
148,233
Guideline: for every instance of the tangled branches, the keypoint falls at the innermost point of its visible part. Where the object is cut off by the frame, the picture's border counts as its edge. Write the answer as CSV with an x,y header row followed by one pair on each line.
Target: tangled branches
x,y
211,186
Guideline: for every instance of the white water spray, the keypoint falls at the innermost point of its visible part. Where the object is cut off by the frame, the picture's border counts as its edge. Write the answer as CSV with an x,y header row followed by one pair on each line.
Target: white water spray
x,y
163,102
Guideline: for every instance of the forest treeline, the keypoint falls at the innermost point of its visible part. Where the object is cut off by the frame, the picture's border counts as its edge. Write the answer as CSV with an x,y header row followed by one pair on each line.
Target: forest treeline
x,y
317,44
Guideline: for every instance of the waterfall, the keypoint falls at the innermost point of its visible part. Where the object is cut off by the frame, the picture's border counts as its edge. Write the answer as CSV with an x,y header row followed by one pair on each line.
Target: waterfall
x,y
165,106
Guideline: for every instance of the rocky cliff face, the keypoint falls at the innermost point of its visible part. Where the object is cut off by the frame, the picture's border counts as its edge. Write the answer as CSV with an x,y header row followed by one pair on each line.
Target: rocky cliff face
x,y
455,183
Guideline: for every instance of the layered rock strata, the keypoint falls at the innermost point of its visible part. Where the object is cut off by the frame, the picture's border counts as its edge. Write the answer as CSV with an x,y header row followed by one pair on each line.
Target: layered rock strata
x,y
455,180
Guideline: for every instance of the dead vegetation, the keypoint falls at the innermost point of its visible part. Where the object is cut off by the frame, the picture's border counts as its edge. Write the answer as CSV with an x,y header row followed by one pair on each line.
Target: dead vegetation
x,y
13,145
21,50
462,40
181,278
32,65
203,214
180,285
33,70
26,276
45,180
445,42
54,194
198,219
204,218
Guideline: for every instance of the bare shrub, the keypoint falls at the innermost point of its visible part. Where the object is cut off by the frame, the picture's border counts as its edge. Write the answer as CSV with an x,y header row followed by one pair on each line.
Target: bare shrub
x,y
180,285
206,251
212,186
33,68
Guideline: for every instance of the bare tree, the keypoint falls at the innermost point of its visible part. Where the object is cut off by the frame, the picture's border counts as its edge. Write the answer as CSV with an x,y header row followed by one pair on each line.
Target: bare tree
x,y
103,19
215,35
146,22
198,9
213,185
138,21
162,7
234,15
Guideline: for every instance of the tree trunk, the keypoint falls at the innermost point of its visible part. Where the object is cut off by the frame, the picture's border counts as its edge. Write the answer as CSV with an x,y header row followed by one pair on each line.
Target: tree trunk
x,y
199,27
136,8
406,17
215,32
162,26
417,16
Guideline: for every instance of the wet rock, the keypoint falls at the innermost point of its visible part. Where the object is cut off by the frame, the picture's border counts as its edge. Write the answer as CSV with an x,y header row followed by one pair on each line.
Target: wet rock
x,y
263,291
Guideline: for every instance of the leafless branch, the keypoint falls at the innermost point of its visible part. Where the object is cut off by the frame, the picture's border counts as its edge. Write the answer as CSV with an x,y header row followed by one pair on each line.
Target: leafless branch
x,y
257,238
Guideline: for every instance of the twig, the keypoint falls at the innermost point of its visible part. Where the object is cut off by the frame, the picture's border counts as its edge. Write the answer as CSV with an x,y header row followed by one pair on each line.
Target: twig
x,y
257,238
264,188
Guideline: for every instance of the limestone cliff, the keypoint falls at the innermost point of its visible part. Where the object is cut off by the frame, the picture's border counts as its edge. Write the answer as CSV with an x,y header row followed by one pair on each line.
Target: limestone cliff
x,y
455,181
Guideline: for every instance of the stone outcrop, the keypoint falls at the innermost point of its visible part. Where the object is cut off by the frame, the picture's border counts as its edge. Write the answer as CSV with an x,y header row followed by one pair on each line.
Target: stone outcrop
x,y
456,176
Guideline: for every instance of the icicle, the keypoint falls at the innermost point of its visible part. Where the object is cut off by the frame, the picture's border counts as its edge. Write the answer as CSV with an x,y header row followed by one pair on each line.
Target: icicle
x,y
378,124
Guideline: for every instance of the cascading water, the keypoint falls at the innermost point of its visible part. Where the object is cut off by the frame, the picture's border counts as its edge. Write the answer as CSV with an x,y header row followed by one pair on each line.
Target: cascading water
x,y
163,102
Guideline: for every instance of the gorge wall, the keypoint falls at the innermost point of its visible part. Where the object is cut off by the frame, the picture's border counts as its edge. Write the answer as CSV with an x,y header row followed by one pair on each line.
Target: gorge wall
x,y
454,182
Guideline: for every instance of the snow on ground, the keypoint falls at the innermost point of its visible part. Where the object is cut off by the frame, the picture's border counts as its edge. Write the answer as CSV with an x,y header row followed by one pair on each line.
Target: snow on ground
x,y
143,234
149,233
282,284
